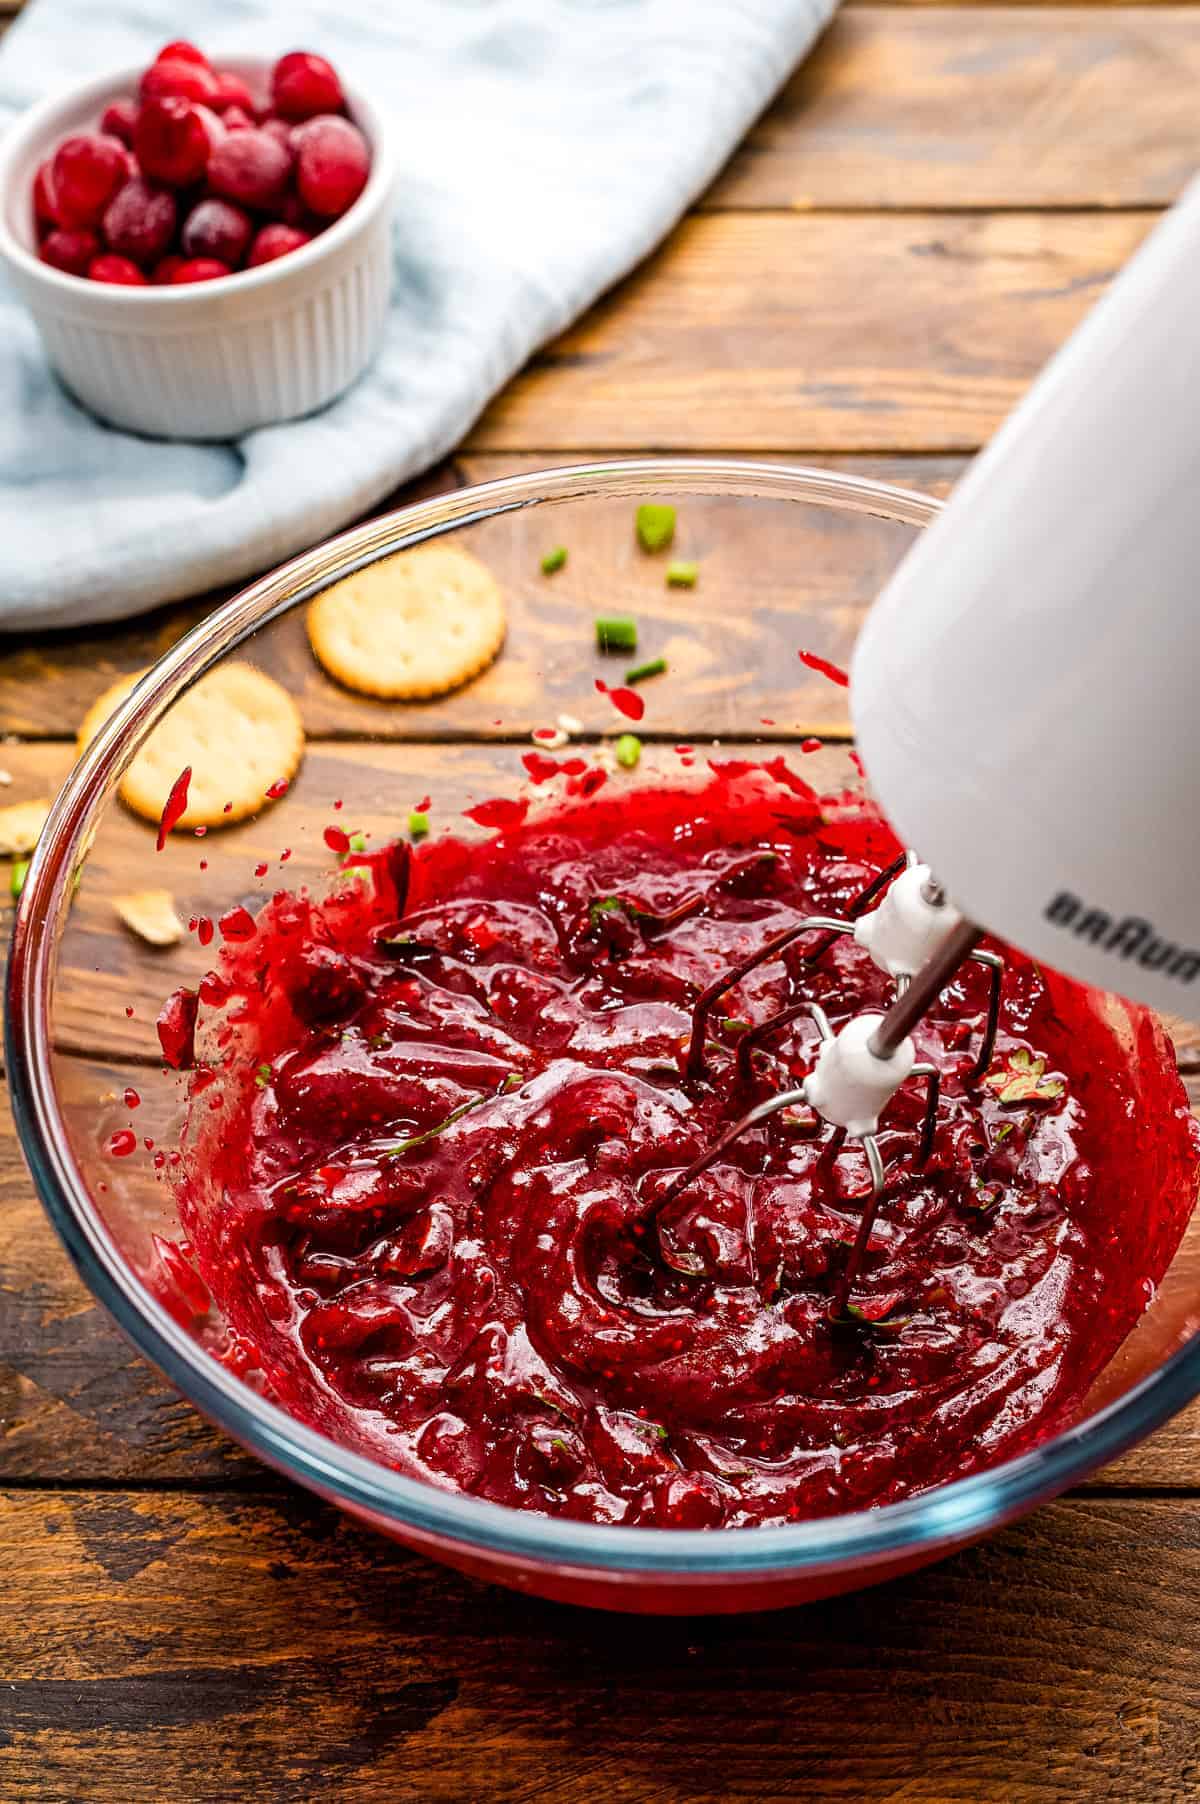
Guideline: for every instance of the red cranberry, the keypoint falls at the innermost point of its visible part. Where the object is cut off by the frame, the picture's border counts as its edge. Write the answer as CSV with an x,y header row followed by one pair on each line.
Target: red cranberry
x,y
70,250
176,76
88,170
276,240
332,164
303,85
233,91
119,270
174,140
164,270
180,51
216,228
250,167
237,119
200,269
280,130
140,222
45,207
118,120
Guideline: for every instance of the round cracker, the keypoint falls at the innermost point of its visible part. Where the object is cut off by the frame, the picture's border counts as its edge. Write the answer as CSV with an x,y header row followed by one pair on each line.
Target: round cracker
x,y
411,626
236,728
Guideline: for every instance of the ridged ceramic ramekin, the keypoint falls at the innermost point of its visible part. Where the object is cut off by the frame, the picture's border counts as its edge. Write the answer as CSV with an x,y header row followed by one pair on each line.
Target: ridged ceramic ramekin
x,y
208,360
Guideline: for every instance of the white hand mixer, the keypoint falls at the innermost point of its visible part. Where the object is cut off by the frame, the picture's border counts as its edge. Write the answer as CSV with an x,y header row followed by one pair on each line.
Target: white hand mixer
x,y
1024,695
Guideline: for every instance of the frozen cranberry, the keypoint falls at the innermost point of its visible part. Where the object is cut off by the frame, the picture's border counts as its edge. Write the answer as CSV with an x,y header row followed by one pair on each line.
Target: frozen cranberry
x,y
332,164
216,228
118,120
179,77
291,211
70,250
45,210
237,119
179,50
174,139
280,130
276,240
250,167
164,270
140,222
119,270
233,91
88,170
200,269
303,85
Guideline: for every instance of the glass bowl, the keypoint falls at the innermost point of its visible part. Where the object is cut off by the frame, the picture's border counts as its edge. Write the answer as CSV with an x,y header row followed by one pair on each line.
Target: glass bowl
x,y
788,558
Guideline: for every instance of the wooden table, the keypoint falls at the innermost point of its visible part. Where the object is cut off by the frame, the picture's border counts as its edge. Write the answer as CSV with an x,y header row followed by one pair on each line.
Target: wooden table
x,y
923,215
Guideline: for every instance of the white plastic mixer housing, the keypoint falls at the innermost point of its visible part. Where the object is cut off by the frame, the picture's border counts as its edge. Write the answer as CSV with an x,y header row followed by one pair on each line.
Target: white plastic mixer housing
x,y
1025,690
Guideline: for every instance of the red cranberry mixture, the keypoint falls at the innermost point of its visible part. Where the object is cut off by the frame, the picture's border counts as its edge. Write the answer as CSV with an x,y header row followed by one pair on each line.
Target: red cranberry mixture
x,y
198,176
420,1167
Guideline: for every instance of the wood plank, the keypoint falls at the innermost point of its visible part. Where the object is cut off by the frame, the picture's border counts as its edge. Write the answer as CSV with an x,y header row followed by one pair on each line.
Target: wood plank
x,y
48,680
983,107
183,1644
841,333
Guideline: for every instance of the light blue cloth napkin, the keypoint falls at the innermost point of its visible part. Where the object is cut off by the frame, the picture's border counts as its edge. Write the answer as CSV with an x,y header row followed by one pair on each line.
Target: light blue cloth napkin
x,y
546,145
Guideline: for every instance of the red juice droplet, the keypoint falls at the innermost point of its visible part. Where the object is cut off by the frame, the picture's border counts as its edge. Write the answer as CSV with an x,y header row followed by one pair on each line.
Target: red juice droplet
x,y
237,925
121,1144
423,806
199,832
260,870
336,840
857,762
204,930
499,813
213,989
173,807
824,668
338,803
204,864
626,701
176,1026
132,1099
129,1010
228,808
278,789
810,745
285,855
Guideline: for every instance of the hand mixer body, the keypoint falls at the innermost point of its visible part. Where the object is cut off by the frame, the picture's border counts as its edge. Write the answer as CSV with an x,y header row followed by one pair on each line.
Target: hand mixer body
x,y
1025,689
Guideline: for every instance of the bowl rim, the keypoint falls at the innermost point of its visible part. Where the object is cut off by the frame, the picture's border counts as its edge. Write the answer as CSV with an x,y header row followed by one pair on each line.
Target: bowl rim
x,y
949,1515
96,92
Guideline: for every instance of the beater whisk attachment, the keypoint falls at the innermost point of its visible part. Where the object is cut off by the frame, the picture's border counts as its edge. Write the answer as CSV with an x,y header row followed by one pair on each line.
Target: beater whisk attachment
x,y
919,940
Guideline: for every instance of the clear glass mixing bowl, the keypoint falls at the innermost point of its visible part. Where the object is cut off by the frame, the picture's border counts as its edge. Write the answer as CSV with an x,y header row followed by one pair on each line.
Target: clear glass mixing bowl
x,y
788,557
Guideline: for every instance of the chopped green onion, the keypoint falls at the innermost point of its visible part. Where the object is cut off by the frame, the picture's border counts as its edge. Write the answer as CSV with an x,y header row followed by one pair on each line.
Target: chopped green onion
x,y
511,1082
629,750
682,576
418,825
554,560
262,1076
618,633
16,882
639,673
733,1024
358,842
355,873
655,525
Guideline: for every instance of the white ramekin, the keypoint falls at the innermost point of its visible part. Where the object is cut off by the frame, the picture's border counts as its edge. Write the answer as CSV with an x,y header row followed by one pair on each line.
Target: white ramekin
x,y
208,360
